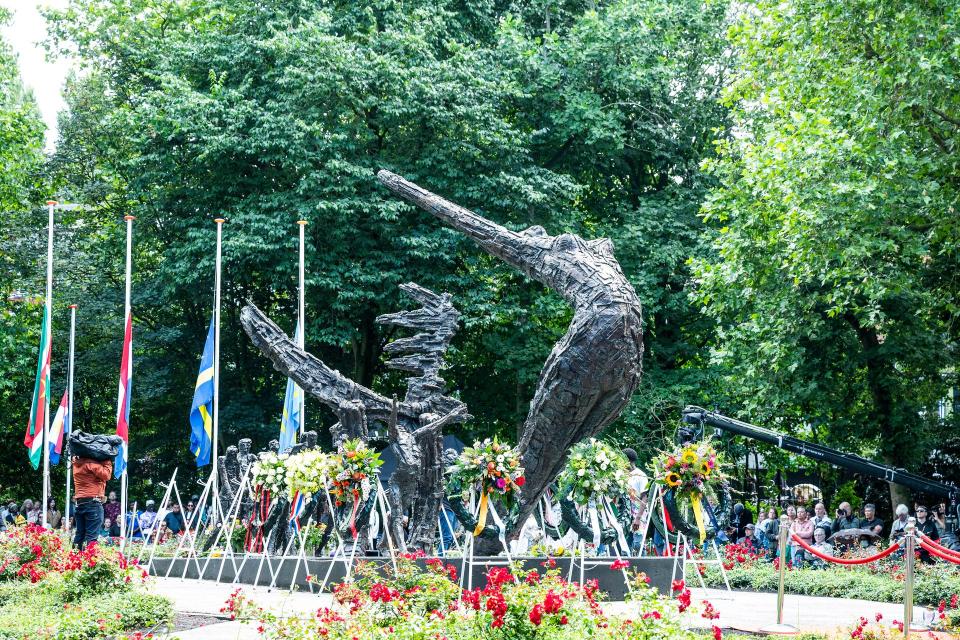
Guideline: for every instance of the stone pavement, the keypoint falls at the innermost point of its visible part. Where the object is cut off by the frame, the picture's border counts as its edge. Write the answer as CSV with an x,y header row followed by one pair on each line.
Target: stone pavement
x,y
739,610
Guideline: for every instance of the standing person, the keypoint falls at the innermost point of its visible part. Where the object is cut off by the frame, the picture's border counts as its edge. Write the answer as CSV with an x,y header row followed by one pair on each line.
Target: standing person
x,y
53,514
741,518
802,527
820,517
637,486
769,529
90,480
872,522
927,527
112,508
845,518
12,512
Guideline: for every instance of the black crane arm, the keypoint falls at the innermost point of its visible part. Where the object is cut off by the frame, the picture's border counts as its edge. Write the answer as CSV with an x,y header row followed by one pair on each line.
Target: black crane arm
x,y
699,416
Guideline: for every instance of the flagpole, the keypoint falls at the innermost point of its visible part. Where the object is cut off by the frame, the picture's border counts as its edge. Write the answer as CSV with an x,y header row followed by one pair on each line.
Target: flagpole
x,y
66,445
46,414
303,327
126,314
216,364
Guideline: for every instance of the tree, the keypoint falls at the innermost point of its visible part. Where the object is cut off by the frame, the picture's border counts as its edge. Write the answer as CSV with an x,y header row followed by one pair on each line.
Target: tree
x,y
21,145
265,112
834,224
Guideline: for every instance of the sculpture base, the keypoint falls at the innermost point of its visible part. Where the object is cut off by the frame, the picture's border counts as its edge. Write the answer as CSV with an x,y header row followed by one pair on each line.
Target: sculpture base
x,y
288,569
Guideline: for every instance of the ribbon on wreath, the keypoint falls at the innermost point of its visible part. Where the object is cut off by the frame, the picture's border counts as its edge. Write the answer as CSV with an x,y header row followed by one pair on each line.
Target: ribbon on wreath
x,y
594,522
698,515
353,514
482,516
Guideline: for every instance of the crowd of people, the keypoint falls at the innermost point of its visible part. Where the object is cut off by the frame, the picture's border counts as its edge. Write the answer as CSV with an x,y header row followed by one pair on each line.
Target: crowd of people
x,y
140,523
825,533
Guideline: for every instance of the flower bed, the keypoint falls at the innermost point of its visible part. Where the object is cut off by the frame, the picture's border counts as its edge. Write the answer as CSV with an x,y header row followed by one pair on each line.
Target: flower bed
x,y
428,603
48,590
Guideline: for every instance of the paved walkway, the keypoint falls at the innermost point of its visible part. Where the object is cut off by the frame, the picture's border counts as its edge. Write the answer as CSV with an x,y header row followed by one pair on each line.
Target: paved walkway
x,y
739,610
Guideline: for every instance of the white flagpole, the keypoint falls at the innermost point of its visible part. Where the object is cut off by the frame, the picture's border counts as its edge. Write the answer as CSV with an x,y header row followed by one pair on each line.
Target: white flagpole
x,y
73,333
46,413
216,365
303,328
126,314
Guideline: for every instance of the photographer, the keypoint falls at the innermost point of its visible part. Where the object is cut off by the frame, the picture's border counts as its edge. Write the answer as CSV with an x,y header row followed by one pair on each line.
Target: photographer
x,y
90,479
844,519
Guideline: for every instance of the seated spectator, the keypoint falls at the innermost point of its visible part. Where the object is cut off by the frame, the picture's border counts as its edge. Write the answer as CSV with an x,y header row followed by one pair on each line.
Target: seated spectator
x,y
53,514
820,544
741,518
4,513
105,528
31,515
133,524
899,523
148,519
802,527
751,540
174,520
873,523
820,517
926,526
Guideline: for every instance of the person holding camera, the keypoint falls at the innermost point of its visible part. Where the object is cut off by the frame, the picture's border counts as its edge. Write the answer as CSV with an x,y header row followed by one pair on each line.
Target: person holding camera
x,y
845,518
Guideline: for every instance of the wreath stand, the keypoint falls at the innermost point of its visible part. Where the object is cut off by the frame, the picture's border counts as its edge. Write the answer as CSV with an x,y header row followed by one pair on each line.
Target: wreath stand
x,y
340,552
466,568
169,487
598,518
226,528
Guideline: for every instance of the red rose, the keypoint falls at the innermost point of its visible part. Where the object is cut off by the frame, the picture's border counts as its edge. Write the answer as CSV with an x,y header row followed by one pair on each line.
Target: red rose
x,y
520,481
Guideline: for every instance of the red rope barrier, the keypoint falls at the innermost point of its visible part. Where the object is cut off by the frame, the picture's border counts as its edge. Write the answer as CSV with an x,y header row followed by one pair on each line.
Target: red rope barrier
x,y
935,552
939,547
844,561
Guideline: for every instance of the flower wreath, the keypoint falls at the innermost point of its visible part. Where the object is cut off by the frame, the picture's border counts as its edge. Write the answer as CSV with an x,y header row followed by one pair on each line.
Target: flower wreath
x,y
594,468
269,474
691,472
492,468
352,468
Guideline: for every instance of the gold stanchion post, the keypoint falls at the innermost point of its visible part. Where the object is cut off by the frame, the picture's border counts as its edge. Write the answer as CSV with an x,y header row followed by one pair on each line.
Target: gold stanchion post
x,y
910,558
779,627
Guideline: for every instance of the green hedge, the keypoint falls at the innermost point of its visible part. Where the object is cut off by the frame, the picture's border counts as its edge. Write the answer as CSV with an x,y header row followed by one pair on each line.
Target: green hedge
x,y
40,611
932,584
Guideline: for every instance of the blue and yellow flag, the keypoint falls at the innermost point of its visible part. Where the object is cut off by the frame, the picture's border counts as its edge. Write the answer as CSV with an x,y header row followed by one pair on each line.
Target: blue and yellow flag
x,y
290,420
201,413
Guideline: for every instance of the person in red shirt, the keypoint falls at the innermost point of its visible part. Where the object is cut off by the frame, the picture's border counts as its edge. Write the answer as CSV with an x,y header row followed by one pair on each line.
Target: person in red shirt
x,y
90,479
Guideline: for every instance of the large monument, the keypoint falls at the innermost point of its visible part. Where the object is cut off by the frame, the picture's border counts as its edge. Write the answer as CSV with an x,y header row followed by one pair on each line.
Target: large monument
x,y
585,383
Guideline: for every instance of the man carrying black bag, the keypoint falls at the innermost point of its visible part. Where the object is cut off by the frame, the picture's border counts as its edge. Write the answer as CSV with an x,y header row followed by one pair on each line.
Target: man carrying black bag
x,y
92,467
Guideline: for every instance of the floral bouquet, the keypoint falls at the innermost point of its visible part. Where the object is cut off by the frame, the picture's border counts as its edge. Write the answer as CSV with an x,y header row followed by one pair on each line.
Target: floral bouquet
x,y
491,467
691,471
351,470
306,473
269,474
693,468
594,467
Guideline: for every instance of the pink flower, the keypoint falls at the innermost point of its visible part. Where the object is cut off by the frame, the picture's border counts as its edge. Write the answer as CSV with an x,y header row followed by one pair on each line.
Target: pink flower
x,y
501,484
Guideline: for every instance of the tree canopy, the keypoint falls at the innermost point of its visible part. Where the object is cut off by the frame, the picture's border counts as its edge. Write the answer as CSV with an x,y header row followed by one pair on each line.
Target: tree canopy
x,y
779,180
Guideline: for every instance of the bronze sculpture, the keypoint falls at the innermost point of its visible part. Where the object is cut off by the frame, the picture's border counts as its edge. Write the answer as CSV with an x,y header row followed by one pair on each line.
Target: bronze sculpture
x,y
585,384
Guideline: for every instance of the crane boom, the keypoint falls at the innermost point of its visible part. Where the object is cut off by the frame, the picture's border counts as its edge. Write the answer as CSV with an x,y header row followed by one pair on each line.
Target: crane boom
x,y
858,464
